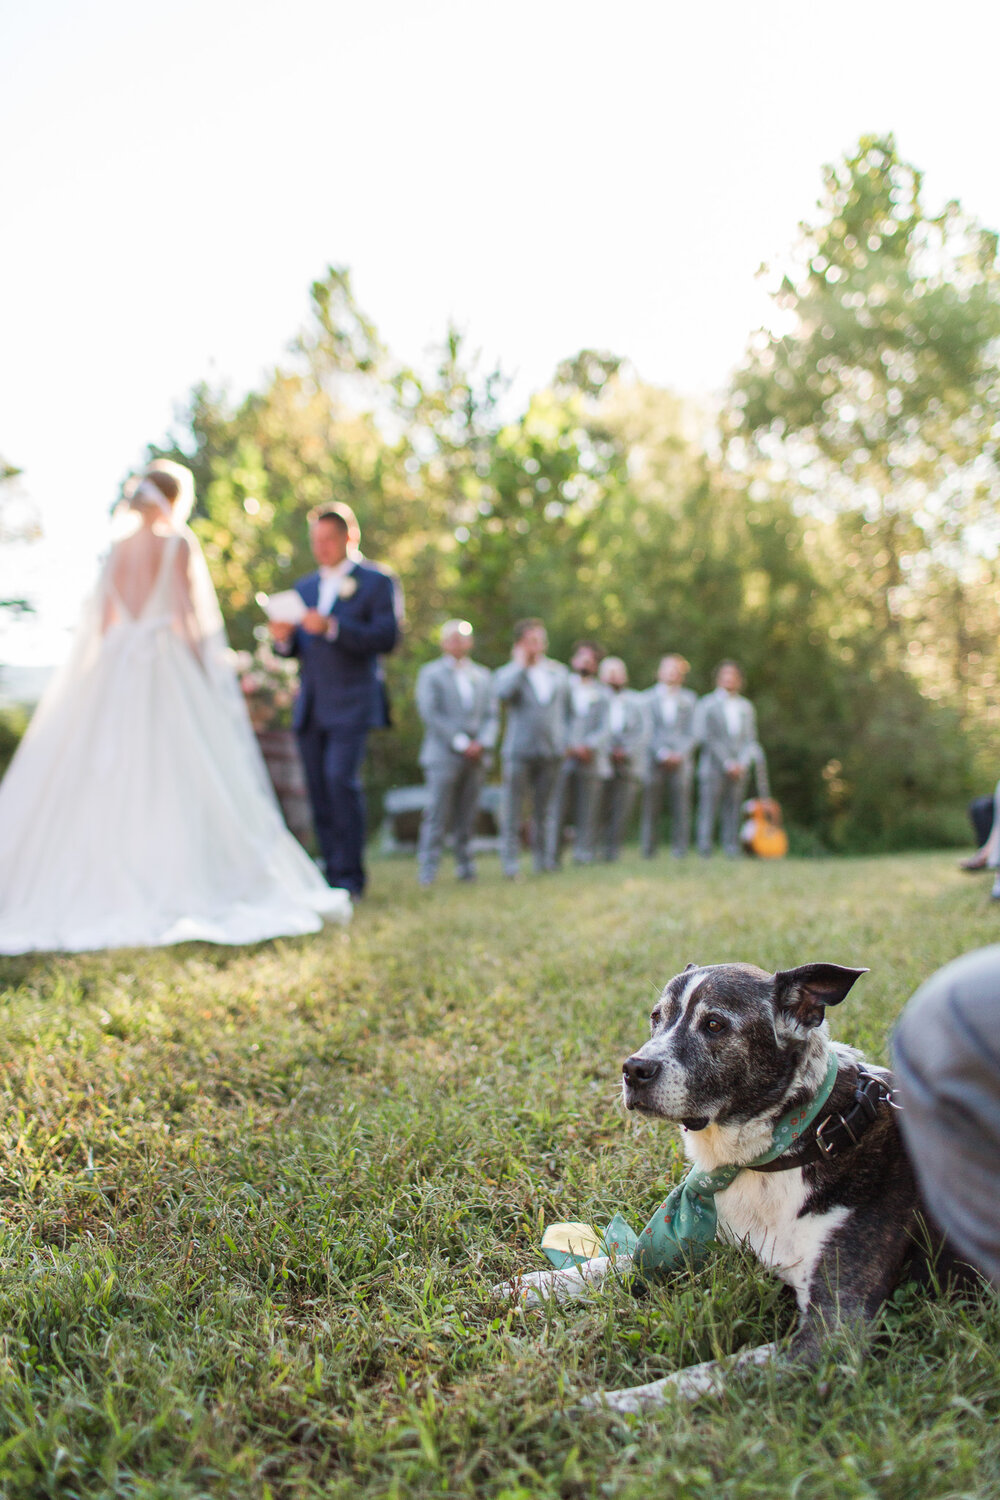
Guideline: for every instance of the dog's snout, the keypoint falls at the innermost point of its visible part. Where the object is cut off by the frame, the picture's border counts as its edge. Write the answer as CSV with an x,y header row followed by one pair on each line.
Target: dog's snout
x,y
639,1071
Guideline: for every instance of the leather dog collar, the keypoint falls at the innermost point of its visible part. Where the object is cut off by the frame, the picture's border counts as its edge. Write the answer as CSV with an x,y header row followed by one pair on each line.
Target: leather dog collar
x,y
836,1133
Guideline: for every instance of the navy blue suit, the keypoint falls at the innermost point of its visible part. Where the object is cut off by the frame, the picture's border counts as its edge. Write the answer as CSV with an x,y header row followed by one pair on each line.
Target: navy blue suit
x,y
341,697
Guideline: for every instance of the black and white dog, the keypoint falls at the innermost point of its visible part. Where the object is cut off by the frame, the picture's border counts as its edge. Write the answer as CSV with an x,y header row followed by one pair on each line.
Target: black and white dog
x,y
838,1216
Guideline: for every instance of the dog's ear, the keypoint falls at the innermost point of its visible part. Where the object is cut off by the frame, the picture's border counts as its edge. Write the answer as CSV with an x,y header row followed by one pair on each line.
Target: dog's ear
x,y
803,993
689,966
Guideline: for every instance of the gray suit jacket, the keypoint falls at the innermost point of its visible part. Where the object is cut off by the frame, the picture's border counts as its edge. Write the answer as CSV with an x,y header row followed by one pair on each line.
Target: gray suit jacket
x,y
719,744
532,728
633,738
440,705
670,739
590,727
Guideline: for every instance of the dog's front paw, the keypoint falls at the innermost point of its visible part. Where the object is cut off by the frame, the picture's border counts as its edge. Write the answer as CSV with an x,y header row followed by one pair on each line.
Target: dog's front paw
x,y
536,1287
690,1384
687,1385
638,1399
530,1290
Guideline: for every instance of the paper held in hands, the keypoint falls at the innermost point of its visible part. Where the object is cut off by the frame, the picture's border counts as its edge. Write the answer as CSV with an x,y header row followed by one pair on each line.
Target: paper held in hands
x,y
286,608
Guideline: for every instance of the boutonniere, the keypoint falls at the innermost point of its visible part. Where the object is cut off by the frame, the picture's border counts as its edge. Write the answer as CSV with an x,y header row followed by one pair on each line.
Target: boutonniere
x,y
348,587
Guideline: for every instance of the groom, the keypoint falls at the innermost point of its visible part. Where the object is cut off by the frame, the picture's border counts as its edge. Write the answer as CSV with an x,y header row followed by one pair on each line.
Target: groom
x,y
350,621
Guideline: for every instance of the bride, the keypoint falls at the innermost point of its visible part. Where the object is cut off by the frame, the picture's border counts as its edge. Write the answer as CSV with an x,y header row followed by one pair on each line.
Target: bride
x,y
137,810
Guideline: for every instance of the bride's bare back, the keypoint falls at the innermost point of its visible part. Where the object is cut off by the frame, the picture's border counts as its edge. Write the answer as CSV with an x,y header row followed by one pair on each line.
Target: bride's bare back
x,y
135,575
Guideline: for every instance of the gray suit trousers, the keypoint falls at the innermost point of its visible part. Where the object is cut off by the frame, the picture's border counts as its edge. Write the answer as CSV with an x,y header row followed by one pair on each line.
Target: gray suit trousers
x,y
947,1062
676,781
575,797
534,774
615,799
453,799
720,796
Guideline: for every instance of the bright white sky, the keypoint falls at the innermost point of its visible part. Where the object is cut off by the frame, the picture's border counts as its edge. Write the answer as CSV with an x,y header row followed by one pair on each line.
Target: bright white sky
x,y
550,174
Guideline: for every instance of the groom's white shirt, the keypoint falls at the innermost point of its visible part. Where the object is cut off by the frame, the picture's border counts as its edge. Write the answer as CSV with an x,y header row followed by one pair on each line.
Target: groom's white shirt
x,y
330,580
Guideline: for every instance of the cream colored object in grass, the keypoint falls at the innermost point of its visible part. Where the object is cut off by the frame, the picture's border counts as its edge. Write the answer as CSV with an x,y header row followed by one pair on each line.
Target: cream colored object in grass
x,y
573,1239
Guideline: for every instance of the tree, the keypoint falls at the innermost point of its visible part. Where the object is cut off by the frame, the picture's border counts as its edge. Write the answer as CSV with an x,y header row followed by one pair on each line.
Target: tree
x,y
881,399
877,406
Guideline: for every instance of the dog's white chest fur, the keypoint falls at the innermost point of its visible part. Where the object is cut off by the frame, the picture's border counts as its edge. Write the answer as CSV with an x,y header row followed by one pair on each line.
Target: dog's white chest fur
x,y
762,1211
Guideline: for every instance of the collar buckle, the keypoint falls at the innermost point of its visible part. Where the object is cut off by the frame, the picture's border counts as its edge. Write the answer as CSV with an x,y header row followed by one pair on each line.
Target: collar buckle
x,y
830,1145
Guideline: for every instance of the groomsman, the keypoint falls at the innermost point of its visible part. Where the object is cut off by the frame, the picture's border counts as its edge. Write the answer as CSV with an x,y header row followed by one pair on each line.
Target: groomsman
x,y
577,783
726,731
455,701
622,759
534,692
670,708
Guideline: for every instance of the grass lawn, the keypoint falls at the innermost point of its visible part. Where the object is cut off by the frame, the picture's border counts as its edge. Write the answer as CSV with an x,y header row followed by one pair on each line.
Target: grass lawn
x,y
253,1202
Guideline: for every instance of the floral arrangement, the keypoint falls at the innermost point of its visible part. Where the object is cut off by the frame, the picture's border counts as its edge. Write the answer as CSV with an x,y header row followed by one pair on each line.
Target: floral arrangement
x,y
268,682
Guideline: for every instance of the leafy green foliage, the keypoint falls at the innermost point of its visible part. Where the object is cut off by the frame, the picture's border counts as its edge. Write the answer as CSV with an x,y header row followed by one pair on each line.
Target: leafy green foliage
x,y
13,723
879,403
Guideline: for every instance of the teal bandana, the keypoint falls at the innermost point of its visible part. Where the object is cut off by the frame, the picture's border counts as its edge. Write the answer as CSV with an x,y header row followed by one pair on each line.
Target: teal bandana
x,y
685,1224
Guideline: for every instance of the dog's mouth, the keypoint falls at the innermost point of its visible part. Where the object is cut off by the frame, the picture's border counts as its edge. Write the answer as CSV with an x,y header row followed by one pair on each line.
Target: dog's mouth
x,y
637,1100
634,1101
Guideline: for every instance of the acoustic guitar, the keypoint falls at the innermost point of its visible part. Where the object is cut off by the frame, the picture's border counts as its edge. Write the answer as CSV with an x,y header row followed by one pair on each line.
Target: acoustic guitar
x,y
762,834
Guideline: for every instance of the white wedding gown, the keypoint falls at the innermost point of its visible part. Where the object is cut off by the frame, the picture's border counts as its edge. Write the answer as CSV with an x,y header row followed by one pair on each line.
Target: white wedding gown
x,y
137,811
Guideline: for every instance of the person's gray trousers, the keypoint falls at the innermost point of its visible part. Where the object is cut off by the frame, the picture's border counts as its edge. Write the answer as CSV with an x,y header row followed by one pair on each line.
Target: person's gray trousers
x,y
576,788
614,803
522,775
677,781
453,799
719,795
946,1056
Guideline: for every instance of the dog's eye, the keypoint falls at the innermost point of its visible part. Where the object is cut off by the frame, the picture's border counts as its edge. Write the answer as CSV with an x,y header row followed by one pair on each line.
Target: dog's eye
x,y
655,1017
715,1025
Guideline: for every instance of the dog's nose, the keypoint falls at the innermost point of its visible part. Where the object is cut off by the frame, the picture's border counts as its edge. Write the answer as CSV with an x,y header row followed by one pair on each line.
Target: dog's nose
x,y
639,1071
